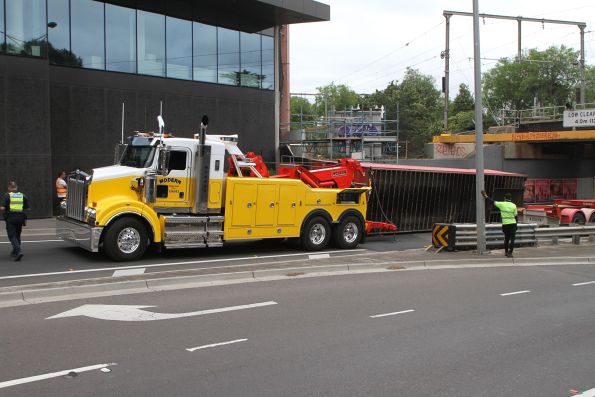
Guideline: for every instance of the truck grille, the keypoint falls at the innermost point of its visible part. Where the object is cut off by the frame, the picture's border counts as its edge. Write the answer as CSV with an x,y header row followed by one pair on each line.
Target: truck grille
x,y
76,199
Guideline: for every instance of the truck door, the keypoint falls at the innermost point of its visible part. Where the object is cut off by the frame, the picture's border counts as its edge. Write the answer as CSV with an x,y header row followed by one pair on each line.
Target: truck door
x,y
173,188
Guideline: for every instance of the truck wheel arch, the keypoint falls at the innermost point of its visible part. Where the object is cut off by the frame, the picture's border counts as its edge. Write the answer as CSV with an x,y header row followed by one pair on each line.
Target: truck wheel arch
x,y
318,212
130,214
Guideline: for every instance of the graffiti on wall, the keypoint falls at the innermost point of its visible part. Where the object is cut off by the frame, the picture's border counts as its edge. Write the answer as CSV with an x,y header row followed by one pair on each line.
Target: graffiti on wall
x,y
452,151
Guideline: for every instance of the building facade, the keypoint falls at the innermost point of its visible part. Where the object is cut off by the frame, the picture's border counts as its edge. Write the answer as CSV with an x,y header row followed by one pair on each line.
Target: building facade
x,y
77,74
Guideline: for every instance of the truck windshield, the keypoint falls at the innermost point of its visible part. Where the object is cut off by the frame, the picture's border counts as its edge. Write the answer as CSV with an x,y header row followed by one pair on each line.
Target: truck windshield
x,y
138,156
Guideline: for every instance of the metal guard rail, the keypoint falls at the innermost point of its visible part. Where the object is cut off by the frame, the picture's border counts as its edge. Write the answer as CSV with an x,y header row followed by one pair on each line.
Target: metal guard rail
x,y
464,235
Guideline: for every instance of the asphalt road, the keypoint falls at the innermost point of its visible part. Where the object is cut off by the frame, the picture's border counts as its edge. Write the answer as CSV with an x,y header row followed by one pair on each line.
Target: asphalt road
x,y
47,259
513,331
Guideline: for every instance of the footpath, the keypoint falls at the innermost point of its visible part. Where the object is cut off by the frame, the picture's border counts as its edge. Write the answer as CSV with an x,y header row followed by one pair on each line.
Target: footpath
x,y
312,264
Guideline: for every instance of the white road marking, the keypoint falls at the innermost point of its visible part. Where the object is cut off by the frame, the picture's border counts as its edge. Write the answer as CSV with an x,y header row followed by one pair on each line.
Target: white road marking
x,y
319,256
128,272
134,312
515,293
32,241
587,393
30,379
216,344
392,314
105,269
588,282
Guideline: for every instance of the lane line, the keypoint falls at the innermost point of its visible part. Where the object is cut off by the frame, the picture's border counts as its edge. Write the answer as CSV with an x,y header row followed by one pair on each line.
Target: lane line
x,y
33,241
36,378
319,256
109,269
515,293
392,314
587,283
128,272
191,349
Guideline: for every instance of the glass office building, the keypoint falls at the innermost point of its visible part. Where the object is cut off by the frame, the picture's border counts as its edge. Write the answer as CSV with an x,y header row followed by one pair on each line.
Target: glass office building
x,y
95,35
77,74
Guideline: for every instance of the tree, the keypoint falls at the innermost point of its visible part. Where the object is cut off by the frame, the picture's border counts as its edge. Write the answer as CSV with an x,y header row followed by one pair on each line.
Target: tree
x,y
463,101
548,78
301,109
419,108
335,97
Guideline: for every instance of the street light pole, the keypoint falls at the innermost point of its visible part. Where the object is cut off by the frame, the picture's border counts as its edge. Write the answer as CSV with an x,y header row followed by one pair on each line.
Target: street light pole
x,y
479,182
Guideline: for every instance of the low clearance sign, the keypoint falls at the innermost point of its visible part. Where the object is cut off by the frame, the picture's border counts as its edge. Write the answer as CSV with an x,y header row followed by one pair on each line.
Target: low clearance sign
x,y
579,118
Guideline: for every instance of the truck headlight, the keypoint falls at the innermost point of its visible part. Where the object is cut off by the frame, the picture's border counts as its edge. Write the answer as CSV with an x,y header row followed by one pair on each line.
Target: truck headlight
x,y
90,214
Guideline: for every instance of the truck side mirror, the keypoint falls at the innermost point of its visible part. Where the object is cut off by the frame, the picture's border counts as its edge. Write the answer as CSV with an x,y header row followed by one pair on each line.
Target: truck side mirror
x,y
163,161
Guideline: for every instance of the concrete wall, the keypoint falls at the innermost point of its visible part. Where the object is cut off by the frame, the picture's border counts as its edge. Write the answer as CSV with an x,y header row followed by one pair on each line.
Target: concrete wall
x,y
59,118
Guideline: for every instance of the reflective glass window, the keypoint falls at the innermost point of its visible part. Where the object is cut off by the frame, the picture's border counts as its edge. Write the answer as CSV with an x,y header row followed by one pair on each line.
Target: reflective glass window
x,y
205,52
26,25
228,56
59,35
178,33
87,34
151,43
120,39
250,60
2,30
268,63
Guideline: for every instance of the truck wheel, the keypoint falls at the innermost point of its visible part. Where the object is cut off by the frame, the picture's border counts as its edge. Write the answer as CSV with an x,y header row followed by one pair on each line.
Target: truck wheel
x,y
316,234
126,240
579,218
348,234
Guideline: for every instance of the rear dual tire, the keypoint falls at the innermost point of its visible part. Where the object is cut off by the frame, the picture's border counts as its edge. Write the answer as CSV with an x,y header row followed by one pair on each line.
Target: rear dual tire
x,y
318,233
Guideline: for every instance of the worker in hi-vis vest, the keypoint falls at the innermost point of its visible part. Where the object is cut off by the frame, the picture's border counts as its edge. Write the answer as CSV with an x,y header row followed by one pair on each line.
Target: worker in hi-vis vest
x,y
508,214
13,205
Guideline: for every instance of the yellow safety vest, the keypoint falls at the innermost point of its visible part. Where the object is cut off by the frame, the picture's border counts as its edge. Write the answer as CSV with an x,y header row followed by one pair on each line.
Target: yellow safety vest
x,y
508,211
17,201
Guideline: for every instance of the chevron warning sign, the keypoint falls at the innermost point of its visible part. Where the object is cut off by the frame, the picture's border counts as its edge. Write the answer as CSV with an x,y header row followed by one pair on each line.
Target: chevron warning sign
x,y
443,235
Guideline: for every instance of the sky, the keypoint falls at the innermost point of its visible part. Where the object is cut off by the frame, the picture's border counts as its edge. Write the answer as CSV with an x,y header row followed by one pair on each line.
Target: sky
x,y
369,43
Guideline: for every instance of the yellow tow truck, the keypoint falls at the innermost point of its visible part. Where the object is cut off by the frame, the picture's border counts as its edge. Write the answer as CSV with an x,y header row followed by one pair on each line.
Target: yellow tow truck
x,y
200,192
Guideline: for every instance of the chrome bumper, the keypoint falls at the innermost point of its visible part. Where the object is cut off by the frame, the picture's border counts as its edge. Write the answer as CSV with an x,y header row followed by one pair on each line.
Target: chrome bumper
x,y
78,233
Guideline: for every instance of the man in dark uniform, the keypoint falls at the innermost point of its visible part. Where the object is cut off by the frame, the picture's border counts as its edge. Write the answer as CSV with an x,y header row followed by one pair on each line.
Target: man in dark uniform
x,y
13,205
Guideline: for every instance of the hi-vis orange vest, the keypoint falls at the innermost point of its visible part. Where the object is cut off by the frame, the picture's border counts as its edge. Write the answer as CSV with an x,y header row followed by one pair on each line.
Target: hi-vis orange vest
x,y
60,190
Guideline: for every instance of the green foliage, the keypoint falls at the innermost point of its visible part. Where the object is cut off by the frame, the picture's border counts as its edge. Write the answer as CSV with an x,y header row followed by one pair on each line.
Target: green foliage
x,y
301,109
462,121
335,97
463,101
549,76
420,109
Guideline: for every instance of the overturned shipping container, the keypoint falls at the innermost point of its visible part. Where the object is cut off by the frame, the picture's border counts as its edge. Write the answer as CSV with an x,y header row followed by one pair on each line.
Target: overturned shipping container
x,y
416,197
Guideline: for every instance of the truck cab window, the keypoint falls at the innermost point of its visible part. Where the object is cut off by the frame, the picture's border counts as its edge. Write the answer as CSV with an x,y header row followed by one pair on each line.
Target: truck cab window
x,y
177,160
138,156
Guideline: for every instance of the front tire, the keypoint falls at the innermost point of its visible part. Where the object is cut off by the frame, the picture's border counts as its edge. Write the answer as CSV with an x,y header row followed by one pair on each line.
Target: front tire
x,y
316,234
348,233
126,240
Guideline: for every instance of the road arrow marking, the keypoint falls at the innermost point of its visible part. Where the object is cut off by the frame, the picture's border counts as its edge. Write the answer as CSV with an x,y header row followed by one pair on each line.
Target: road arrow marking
x,y
134,312
30,379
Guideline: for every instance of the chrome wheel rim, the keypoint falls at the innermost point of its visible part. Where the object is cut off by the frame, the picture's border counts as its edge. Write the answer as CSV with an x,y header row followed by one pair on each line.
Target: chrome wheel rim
x,y
317,234
350,232
128,240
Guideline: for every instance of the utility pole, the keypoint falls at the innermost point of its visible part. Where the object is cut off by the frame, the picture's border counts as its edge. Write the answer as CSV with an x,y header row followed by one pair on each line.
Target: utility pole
x,y
479,182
